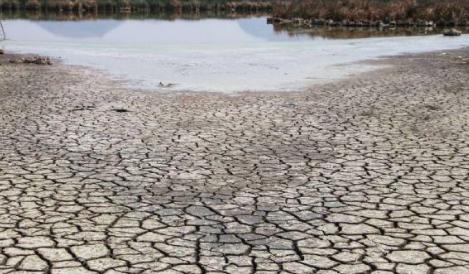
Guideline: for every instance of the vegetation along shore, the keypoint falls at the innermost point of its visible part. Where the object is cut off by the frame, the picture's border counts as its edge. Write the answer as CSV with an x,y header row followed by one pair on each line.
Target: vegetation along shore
x,y
129,5
317,12
373,13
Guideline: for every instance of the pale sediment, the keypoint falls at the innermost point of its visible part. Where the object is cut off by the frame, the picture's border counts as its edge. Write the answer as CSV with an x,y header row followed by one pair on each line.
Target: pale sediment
x,y
367,175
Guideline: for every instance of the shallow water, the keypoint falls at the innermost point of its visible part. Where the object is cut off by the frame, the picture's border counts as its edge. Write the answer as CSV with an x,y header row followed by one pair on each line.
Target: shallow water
x,y
224,55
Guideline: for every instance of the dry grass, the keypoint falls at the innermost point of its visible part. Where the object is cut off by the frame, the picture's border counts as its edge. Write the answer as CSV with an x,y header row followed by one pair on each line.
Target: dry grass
x,y
137,5
10,5
33,5
439,11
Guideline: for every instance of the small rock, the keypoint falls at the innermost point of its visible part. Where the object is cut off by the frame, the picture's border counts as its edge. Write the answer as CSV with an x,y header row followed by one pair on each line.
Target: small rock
x,y
2,51
32,60
451,32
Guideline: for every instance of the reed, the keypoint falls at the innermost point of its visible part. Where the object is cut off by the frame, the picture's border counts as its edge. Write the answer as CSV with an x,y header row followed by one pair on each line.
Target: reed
x,y
438,11
117,15
33,5
137,5
10,5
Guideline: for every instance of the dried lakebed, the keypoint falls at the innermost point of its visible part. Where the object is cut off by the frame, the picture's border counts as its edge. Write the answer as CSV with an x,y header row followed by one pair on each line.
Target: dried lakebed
x,y
367,175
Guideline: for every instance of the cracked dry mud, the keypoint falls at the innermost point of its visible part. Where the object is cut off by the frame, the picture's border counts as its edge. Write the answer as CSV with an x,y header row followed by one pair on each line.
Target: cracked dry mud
x,y
367,175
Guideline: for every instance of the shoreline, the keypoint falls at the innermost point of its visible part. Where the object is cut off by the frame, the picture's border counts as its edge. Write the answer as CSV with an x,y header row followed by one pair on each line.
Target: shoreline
x,y
360,175
364,24
280,65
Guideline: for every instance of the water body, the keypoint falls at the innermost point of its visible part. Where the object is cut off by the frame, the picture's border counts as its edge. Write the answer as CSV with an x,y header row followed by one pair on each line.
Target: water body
x,y
216,54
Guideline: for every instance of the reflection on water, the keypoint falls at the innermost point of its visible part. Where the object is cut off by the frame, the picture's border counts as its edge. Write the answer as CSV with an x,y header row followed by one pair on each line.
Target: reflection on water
x,y
148,32
356,32
223,53
86,29
139,15
289,29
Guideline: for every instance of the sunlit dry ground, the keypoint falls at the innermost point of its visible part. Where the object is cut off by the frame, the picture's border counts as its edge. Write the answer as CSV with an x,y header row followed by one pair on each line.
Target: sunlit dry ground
x,y
368,175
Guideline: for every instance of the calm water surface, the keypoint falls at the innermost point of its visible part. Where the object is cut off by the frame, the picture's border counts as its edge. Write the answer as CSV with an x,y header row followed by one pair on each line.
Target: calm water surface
x,y
224,55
